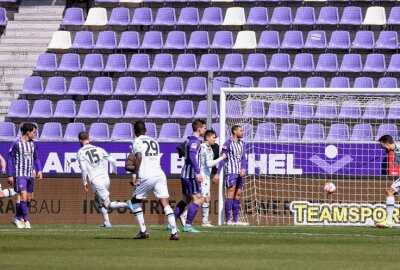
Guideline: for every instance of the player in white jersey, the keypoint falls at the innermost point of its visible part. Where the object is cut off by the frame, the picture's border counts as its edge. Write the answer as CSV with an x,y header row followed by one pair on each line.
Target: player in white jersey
x,y
207,162
149,177
93,163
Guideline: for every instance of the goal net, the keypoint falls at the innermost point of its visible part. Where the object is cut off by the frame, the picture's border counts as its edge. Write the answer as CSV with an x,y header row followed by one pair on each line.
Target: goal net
x,y
298,141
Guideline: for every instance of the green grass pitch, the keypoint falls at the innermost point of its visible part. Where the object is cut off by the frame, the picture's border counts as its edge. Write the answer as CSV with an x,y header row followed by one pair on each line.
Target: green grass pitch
x,y
91,247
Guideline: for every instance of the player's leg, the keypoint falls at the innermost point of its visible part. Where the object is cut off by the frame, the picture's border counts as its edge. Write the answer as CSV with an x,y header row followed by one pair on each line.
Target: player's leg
x,y
114,205
22,188
141,192
205,207
103,211
30,184
194,189
393,190
180,207
6,193
230,195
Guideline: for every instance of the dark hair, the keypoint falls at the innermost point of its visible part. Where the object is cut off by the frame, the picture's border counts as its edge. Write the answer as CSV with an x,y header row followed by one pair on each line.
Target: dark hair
x,y
386,139
83,136
197,124
27,127
140,128
235,127
209,133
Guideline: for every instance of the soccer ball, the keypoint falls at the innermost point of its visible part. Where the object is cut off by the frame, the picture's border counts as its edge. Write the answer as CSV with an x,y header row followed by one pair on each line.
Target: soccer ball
x,y
330,188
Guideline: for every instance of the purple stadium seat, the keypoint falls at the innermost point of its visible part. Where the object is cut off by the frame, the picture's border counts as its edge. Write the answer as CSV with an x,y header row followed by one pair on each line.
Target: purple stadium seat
x,y
244,81
129,40
216,128
183,109
339,40
163,62
315,40
122,132
116,63
387,129
394,16
56,86
304,16
233,63
209,62
19,108
151,130
293,40
173,86
289,132
196,86
315,82
257,16
394,65
338,133
350,110
387,40
93,63
65,108
362,133
326,110
269,40
351,63
188,131
387,82
268,82
102,86
159,109
89,109
112,109
394,110
328,16
136,109
254,109
327,62
363,82
51,131
33,85
152,40
139,63
106,40
46,62
303,110
375,62
212,16
340,82
202,109
220,82
256,62
375,109
42,108
186,62
351,16
280,62
175,40
72,131
364,40
126,86
281,16
266,132
233,109
119,17
149,86
142,16
303,62
278,109
199,40
291,82
222,40
189,16
314,132
70,62
7,131
99,132
170,132
83,40
79,86
73,16
165,16
3,17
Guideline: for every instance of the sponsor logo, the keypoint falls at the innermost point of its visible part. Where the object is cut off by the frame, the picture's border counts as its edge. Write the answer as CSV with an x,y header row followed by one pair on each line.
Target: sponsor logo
x,y
331,152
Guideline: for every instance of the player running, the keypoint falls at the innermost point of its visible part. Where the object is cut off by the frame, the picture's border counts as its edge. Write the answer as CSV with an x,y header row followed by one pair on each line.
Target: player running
x,y
207,162
8,192
93,163
235,168
388,144
191,177
23,165
149,177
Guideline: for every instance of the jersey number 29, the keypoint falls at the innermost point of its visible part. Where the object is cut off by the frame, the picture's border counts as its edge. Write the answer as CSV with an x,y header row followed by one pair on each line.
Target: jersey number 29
x,y
152,148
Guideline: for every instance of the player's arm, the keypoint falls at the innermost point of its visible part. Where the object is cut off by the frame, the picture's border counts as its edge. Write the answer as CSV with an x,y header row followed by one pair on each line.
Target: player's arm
x,y
137,151
194,148
84,171
11,163
391,163
37,164
225,150
3,164
113,161
130,163
244,162
211,162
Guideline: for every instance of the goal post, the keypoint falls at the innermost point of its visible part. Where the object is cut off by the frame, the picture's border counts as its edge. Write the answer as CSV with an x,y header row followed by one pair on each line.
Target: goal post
x,y
299,139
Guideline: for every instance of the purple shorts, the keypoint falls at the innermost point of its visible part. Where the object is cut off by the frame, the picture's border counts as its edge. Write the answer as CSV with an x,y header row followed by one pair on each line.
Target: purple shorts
x,y
190,186
234,180
24,184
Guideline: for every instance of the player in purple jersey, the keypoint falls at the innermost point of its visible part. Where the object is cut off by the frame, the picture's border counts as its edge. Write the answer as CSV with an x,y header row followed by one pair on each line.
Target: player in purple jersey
x,y
235,168
191,177
8,192
23,166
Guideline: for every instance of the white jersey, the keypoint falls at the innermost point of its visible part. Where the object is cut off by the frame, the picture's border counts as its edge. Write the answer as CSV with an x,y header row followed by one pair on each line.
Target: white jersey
x,y
93,163
207,161
150,166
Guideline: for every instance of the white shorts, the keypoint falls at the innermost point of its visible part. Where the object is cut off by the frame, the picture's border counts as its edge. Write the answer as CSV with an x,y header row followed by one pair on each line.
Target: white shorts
x,y
205,186
156,184
100,188
396,186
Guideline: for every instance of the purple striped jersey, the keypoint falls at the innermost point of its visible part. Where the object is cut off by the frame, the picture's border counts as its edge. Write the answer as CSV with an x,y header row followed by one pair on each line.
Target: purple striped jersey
x,y
192,158
23,159
236,158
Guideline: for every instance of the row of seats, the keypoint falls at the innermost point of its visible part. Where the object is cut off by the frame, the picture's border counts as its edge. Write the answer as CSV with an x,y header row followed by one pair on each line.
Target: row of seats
x,y
174,86
176,40
160,109
166,16
226,1
234,62
288,132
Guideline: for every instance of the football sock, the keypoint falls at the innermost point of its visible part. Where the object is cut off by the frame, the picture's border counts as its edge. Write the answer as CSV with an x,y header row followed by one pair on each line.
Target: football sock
x,y
117,205
104,214
138,212
192,211
389,207
170,218
235,210
205,210
24,210
179,208
228,209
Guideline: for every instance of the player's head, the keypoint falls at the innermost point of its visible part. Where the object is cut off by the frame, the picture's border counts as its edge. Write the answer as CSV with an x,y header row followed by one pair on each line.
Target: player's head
x,y
199,126
237,131
210,136
28,130
140,128
387,142
83,138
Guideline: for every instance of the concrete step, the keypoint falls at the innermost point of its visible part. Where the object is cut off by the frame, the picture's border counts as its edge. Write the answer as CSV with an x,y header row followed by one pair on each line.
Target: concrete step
x,y
6,71
23,33
37,17
24,40
17,79
18,56
17,64
23,48
36,9
33,25
10,87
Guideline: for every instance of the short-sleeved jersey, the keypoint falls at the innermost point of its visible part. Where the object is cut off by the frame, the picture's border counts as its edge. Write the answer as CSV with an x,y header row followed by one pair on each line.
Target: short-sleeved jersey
x,y
397,153
192,146
151,156
23,159
236,159
206,154
93,160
